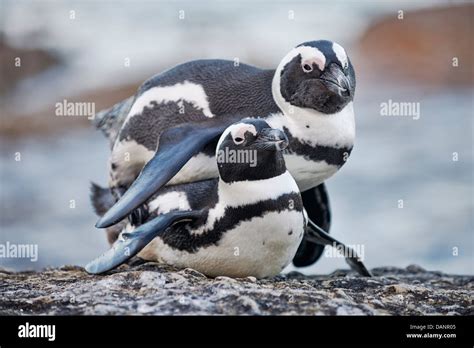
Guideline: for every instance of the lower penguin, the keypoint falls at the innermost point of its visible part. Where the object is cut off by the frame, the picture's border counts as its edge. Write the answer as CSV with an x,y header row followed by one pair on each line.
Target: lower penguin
x,y
248,222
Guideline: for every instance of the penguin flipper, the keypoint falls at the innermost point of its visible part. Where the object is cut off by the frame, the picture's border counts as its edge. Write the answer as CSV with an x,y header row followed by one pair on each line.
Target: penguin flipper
x,y
176,147
131,243
319,236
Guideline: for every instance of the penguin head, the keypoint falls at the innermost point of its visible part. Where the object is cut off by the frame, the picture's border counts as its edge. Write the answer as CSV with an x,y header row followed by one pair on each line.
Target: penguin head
x,y
316,75
251,150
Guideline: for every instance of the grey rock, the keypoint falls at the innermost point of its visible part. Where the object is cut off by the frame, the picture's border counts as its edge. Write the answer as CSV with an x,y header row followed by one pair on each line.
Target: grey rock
x,y
156,289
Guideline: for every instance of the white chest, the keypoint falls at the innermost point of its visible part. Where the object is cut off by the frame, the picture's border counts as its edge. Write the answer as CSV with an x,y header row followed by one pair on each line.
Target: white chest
x,y
260,247
315,129
309,174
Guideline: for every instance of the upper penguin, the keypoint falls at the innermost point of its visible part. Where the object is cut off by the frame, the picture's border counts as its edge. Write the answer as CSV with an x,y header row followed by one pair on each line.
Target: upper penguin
x,y
167,133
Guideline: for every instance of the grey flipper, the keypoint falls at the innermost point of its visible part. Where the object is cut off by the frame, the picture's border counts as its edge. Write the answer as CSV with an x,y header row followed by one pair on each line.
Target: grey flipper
x,y
319,236
176,146
110,121
131,243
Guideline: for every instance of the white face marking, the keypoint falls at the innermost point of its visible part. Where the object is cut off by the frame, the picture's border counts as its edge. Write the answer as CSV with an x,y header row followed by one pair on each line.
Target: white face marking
x,y
169,201
129,158
236,131
286,107
187,91
340,54
309,55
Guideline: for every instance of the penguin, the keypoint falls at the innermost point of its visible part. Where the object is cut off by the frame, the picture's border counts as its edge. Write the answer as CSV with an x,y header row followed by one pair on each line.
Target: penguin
x,y
167,133
247,222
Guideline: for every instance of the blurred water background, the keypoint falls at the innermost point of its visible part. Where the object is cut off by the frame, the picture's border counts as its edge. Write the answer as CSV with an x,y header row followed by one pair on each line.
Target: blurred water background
x,y
395,158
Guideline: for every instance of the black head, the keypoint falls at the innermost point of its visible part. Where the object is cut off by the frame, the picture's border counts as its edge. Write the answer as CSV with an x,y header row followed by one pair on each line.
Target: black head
x,y
317,75
251,150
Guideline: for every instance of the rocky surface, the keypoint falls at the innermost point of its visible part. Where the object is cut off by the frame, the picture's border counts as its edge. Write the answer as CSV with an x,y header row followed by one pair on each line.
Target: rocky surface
x,y
151,288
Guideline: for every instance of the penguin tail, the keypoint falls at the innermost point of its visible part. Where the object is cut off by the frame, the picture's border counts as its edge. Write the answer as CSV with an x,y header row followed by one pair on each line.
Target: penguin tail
x,y
102,199
110,121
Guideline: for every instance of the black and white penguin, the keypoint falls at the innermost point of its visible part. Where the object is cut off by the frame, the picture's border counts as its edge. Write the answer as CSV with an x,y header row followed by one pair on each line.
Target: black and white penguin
x,y
168,131
248,222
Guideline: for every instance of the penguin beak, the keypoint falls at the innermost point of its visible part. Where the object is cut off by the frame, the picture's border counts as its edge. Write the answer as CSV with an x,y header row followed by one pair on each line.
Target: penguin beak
x,y
336,81
271,139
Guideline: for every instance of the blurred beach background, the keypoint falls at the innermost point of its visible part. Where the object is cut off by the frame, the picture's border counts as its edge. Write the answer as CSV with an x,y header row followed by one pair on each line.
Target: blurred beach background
x,y
84,59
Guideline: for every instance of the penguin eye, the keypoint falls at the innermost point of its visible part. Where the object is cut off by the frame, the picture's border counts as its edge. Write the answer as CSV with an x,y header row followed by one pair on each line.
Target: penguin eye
x,y
238,140
307,68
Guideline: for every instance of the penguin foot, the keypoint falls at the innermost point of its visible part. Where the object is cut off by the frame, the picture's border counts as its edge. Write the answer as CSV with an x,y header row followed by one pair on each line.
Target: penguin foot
x,y
319,236
136,261
139,216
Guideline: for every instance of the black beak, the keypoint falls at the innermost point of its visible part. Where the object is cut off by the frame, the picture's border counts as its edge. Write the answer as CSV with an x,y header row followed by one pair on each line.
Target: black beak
x,y
336,81
271,139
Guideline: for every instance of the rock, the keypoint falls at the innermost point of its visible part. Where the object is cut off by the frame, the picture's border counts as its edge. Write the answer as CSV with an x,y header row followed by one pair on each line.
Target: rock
x,y
152,289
